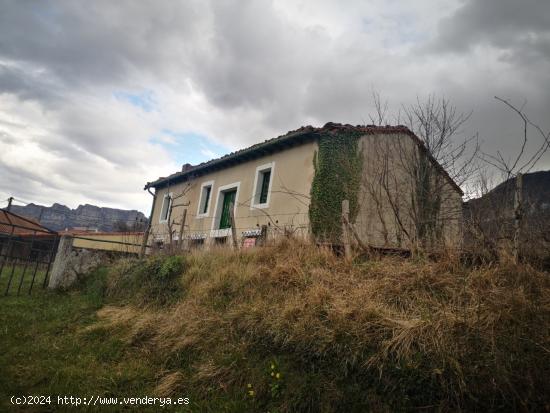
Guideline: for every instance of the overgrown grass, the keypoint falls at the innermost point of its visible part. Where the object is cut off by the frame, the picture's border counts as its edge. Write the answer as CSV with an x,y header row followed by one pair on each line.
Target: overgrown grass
x,y
388,334
154,281
290,328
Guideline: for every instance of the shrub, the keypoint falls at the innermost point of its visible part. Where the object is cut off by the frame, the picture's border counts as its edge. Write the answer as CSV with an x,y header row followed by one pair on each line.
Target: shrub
x,y
154,280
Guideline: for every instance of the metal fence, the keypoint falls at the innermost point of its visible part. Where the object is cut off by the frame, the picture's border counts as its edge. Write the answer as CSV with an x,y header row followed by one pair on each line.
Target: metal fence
x,y
27,251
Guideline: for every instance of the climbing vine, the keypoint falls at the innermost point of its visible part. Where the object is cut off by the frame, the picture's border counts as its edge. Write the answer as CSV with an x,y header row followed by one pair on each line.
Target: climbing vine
x,y
338,168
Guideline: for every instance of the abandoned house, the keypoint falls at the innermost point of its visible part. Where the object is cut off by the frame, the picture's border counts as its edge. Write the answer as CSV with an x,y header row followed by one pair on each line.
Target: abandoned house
x,y
294,184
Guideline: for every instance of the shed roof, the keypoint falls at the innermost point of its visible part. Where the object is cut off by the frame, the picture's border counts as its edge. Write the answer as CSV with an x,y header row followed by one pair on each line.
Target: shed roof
x,y
291,138
18,225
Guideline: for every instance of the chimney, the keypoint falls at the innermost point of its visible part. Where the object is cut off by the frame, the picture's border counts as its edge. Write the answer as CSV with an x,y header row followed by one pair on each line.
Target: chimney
x,y
186,167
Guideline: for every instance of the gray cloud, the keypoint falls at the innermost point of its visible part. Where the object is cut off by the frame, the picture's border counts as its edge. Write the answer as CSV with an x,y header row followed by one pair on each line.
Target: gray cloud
x,y
240,72
520,27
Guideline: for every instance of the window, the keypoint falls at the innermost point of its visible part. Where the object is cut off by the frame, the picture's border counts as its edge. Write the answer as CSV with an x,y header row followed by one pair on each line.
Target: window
x,y
207,191
265,186
205,199
262,186
165,210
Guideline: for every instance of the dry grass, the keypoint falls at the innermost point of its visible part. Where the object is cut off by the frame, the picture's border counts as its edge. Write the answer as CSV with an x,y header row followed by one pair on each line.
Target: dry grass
x,y
389,334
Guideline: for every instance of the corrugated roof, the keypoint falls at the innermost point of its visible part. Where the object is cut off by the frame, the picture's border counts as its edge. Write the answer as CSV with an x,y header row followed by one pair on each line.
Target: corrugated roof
x,y
291,138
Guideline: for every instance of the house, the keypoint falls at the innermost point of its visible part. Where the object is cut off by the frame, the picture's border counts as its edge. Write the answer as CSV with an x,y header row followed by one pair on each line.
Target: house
x,y
398,194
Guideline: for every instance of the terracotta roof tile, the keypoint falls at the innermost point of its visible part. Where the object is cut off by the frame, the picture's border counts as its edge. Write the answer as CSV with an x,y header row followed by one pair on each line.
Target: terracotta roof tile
x,y
291,137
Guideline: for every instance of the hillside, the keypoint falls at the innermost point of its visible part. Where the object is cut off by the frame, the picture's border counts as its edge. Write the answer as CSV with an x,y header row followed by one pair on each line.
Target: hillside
x,y
289,328
58,217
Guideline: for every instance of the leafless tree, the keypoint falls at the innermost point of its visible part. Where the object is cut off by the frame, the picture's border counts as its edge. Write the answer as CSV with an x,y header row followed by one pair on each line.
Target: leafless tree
x,y
406,180
527,157
177,201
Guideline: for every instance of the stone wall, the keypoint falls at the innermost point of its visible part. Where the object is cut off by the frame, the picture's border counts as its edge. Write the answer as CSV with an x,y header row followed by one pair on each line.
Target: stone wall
x,y
71,264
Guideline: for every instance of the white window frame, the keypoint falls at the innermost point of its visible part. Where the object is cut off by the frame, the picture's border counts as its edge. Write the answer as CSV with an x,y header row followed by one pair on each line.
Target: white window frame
x,y
201,214
256,189
216,232
164,197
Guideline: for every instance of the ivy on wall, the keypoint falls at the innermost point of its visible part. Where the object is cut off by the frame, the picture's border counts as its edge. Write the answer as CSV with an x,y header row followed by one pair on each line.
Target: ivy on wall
x,y
338,168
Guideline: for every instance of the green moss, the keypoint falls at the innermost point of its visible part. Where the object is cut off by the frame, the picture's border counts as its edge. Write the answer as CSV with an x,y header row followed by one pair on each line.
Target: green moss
x,y
338,166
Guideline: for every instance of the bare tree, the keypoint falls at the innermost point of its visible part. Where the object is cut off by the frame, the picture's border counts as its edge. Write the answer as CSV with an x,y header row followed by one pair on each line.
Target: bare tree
x,y
409,178
527,157
177,201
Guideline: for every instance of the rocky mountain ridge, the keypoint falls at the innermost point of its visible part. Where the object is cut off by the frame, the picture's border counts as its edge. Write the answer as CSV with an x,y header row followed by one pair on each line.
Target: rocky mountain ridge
x,y
59,217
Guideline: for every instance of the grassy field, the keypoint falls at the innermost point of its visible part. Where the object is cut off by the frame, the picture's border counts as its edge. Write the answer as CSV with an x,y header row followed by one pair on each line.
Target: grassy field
x,y
46,349
287,328
18,283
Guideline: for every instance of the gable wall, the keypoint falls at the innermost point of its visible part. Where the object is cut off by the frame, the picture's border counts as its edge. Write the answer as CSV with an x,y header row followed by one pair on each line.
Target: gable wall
x,y
385,197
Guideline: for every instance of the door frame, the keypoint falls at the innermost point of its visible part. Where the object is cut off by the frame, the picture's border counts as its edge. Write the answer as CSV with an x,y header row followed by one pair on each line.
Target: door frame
x,y
215,231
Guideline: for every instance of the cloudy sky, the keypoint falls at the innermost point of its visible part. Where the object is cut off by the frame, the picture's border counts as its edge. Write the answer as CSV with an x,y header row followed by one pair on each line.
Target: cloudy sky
x,y
98,97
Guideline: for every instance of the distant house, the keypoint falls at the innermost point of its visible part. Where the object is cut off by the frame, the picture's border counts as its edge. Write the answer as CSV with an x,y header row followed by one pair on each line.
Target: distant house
x,y
295,184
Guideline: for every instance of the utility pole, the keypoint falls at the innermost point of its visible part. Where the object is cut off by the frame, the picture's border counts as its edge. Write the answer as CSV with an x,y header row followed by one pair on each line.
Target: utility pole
x,y
10,200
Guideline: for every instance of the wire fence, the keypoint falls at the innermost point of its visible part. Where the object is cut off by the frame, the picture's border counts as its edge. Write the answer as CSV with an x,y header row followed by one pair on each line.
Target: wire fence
x,y
27,251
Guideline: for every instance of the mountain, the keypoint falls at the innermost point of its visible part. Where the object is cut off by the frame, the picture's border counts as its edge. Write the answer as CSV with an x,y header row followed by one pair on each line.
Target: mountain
x,y
58,217
536,196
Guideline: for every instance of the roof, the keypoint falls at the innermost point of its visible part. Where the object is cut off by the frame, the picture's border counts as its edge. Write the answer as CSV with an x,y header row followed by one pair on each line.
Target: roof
x,y
291,138
18,225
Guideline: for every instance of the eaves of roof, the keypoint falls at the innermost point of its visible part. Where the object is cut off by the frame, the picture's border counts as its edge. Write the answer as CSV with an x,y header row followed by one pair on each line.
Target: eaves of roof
x,y
292,138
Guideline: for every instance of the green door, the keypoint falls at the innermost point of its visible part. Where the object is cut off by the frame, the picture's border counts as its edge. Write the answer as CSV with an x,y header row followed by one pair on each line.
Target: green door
x,y
228,199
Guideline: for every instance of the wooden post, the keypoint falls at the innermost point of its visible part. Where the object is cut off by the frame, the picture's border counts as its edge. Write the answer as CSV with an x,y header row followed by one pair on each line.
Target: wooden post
x,y
263,236
144,241
233,227
345,233
143,248
180,238
518,215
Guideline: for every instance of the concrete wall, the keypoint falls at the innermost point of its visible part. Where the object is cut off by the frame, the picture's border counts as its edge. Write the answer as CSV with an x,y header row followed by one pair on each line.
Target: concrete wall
x,y
386,215
131,238
287,207
376,222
